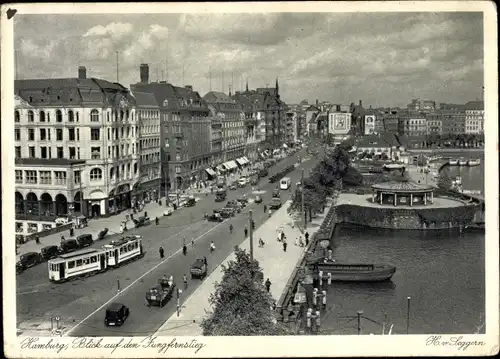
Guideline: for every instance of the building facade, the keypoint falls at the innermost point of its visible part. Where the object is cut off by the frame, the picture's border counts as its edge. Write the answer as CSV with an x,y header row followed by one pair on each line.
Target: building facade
x,y
434,123
339,125
418,105
149,150
186,127
81,119
474,117
452,122
291,127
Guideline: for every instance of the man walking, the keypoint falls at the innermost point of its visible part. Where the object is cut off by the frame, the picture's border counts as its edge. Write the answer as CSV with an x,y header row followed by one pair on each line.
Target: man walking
x,y
307,238
185,280
284,245
268,285
162,253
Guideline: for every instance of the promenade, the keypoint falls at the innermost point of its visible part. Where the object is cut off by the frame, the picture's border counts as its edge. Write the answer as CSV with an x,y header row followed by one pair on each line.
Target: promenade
x,y
276,264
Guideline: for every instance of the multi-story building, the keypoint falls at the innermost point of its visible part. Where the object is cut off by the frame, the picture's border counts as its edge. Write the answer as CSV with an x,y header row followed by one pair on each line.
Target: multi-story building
x,y
233,126
185,131
79,119
253,133
452,122
149,151
434,123
339,125
274,110
311,114
291,127
414,124
474,117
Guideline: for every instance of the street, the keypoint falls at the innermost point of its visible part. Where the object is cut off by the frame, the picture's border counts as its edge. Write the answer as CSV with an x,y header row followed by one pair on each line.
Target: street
x,y
80,304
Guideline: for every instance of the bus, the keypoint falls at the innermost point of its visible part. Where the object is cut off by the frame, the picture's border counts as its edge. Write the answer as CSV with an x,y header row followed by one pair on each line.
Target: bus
x,y
285,183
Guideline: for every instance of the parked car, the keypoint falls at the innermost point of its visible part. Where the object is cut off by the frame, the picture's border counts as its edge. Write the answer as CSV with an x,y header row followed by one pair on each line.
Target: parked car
x,y
29,259
242,182
276,193
263,173
85,240
232,186
198,269
116,314
215,217
168,211
141,221
258,199
190,202
69,246
243,201
49,252
227,212
235,205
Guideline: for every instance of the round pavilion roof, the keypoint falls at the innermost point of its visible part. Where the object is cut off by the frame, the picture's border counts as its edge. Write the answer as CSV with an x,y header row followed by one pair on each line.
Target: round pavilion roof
x,y
402,187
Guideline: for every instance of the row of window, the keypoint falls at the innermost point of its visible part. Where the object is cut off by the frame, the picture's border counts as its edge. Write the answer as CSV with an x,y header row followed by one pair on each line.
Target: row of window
x,y
150,158
44,134
45,152
121,170
74,116
149,143
129,247
81,262
45,177
149,129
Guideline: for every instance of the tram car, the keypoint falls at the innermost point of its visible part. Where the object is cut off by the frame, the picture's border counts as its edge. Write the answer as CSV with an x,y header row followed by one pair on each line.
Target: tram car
x,y
92,261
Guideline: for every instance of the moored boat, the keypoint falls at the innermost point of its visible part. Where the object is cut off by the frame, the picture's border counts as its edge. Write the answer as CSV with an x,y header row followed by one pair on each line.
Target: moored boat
x,y
453,162
474,162
353,272
462,162
394,166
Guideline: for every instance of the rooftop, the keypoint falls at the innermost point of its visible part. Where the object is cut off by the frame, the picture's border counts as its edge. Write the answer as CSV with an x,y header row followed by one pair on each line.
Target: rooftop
x,y
474,105
145,99
385,139
57,162
402,187
217,96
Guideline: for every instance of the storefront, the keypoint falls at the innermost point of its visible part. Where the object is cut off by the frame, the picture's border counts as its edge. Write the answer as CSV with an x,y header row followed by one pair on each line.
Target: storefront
x,y
231,166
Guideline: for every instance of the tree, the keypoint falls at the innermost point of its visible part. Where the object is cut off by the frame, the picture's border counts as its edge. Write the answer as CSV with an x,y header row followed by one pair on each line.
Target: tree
x,y
241,304
352,177
444,181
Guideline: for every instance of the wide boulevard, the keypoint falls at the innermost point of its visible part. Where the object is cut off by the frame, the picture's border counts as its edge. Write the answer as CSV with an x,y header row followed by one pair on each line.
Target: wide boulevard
x,y
80,304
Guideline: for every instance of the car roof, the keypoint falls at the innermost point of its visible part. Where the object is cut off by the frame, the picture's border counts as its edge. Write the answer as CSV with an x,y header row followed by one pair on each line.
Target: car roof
x,y
48,247
113,307
28,254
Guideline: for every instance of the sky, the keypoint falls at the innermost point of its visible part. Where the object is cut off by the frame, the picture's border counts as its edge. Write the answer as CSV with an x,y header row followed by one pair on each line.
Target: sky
x,y
383,59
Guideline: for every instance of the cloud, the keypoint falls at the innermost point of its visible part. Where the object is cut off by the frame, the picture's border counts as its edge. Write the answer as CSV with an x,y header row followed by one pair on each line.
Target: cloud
x,y
115,30
382,58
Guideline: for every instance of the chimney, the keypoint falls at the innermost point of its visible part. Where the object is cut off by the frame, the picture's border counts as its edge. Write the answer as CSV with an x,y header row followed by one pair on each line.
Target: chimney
x,y
144,71
82,72
360,103
317,102
189,87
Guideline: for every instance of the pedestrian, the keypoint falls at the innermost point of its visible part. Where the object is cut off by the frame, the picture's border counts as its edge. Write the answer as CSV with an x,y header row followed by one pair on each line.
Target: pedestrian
x,y
296,241
308,316
265,208
307,241
71,232
318,322
205,260
330,255
192,242
261,242
270,213
37,240
184,249
329,280
324,299
62,238
283,237
301,242
268,285
313,321
162,253
246,232
185,280
320,278
284,246
315,296
157,220
307,237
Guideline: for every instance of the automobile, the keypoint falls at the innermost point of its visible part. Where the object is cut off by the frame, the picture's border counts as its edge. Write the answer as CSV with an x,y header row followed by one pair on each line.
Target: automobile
x,y
199,269
227,212
69,246
242,182
168,211
275,203
141,221
276,193
49,252
116,314
102,234
232,186
29,259
235,205
258,199
215,217
84,240
263,172
243,201
190,202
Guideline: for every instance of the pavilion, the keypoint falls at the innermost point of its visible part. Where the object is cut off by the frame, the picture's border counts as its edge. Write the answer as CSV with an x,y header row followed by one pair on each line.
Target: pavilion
x,y
404,193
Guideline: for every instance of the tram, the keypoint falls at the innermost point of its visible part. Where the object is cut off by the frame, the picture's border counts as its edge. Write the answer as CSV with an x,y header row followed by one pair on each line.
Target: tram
x,y
92,261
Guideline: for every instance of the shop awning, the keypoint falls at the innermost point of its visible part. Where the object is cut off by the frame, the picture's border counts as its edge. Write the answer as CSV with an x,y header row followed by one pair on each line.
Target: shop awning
x,y
210,172
221,168
241,161
246,159
230,165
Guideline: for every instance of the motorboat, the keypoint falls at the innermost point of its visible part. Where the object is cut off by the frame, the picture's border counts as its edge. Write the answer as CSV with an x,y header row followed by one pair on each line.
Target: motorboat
x,y
462,162
474,162
394,166
354,272
452,162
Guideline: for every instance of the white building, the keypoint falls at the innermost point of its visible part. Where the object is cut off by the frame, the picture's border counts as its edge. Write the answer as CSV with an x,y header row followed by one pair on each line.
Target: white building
x,y
339,125
73,128
474,117
291,127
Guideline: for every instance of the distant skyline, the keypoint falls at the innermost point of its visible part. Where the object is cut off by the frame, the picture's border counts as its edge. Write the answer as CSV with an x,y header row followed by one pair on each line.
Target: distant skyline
x,y
383,59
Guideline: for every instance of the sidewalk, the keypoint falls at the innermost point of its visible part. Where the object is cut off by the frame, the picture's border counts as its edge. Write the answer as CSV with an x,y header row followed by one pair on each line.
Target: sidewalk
x,y
419,177
275,263
113,222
